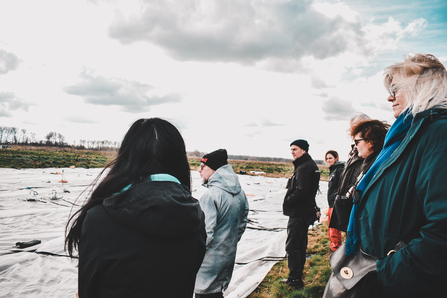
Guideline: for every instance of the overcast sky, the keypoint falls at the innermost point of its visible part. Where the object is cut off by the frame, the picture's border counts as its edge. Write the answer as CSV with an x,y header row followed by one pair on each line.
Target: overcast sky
x,y
248,76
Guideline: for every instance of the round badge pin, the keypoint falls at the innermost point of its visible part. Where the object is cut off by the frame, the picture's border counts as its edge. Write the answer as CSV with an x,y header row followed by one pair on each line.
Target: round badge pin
x,y
346,273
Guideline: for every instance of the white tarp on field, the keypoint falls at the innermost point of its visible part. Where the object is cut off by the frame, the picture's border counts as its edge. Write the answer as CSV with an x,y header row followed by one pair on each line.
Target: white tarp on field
x,y
44,271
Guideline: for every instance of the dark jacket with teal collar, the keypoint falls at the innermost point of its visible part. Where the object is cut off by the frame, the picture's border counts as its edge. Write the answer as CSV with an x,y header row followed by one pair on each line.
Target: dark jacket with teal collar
x,y
147,241
408,194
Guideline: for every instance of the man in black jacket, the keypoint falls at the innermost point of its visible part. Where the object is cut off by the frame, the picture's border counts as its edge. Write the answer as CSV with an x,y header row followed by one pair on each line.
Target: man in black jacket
x,y
299,204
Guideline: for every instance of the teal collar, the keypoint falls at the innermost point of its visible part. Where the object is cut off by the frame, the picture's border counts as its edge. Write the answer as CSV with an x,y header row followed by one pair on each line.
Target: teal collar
x,y
156,178
164,177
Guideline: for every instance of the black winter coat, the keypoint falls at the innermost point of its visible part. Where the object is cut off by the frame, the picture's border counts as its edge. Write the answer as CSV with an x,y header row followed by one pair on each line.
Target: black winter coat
x,y
343,205
335,172
146,242
302,188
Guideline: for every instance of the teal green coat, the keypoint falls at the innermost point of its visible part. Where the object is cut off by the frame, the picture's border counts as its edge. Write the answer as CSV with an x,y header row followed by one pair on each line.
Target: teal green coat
x,y
409,193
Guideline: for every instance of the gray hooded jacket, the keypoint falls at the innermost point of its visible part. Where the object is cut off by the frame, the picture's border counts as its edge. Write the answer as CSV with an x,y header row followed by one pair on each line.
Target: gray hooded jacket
x,y
226,208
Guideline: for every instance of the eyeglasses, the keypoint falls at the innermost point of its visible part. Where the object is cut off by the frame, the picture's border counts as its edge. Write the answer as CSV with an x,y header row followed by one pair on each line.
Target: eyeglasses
x,y
202,165
393,90
356,141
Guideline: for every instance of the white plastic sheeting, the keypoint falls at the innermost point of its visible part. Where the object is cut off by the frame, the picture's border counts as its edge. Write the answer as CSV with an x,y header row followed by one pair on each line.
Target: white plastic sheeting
x,y
44,271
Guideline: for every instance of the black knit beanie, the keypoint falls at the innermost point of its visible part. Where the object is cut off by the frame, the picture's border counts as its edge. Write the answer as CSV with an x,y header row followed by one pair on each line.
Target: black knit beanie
x,y
302,144
215,159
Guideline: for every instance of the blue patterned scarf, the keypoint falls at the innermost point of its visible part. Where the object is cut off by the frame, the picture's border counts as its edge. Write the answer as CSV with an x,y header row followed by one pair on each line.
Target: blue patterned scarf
x,y
393,138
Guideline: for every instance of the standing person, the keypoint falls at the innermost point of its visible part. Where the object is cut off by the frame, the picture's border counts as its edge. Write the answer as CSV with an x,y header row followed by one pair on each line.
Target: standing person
x,y
140,233
342,204
368,137
335,171
226,209
299,204
405,196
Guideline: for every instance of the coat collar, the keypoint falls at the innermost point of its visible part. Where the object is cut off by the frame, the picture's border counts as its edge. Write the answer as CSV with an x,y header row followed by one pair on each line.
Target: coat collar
x,y
426,116
299,161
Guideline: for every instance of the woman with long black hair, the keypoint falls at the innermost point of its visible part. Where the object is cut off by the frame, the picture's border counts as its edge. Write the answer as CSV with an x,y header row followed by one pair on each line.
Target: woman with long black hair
x,y
140,233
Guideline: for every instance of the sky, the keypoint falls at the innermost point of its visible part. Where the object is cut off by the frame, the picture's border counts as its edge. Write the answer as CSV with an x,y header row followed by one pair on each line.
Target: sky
x,y
248,76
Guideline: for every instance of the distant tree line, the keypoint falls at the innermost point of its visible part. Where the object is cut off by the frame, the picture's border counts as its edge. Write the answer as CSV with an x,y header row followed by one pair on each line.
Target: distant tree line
x,y
16,136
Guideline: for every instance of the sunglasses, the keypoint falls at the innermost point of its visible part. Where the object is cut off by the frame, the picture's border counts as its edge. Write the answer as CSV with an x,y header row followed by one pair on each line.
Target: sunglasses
x,y
356,141
393,90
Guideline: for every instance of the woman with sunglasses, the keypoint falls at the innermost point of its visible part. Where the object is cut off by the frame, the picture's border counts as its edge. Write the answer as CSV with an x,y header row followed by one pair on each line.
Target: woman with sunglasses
x,y
342,204
368,137
402,215
140,233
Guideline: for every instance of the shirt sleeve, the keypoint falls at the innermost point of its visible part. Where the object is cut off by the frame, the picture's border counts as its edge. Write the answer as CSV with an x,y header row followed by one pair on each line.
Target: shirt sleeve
x,y
244,220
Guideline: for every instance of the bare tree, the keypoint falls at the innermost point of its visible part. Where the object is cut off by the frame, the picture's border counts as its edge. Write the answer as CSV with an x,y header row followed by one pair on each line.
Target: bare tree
x,y
50,137
2,132
24,137
8,133
15,131
60,139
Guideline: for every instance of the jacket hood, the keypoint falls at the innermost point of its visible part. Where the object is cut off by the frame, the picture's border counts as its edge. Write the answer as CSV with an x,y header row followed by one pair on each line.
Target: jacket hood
x,y
226,179
337,164
162,208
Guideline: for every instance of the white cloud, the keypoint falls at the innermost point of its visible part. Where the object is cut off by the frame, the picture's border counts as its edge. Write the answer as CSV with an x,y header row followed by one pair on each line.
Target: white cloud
x,y
238,31
8,62
9,103
386,36
337,9
337,109
131,96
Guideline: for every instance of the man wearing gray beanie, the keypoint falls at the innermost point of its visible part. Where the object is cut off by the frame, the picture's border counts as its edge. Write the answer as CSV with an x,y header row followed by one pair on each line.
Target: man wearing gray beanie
x,y
299,204
226,208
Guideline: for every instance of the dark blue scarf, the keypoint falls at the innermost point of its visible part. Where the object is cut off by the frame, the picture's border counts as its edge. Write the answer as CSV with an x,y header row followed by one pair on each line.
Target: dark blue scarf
x,y
393,138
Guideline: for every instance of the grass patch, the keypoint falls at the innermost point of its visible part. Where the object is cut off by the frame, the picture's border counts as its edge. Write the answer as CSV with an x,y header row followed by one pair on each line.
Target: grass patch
x,y
20,157
43,158
317,271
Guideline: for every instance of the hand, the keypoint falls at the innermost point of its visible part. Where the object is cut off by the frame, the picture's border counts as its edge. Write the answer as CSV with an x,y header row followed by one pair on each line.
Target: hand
x,y
318,213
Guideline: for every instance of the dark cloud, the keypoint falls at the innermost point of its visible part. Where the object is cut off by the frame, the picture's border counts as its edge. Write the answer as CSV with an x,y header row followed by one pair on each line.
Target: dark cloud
x,y
337,109
131,96
238,31
8,62
9,103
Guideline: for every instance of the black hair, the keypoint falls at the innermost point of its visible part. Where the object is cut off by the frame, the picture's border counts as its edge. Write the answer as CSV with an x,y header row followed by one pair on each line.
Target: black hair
x,y
150,146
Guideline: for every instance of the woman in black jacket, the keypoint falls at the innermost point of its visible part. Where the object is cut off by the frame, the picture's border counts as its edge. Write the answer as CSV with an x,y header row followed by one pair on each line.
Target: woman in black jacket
x,y
335,171
140,233
368,136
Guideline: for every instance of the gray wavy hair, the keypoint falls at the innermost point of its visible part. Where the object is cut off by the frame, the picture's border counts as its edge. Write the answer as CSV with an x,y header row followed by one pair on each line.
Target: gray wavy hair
x,y
422,81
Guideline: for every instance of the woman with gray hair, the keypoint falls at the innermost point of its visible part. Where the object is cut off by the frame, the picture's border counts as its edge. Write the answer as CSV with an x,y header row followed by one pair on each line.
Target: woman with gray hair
x,y
401,217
